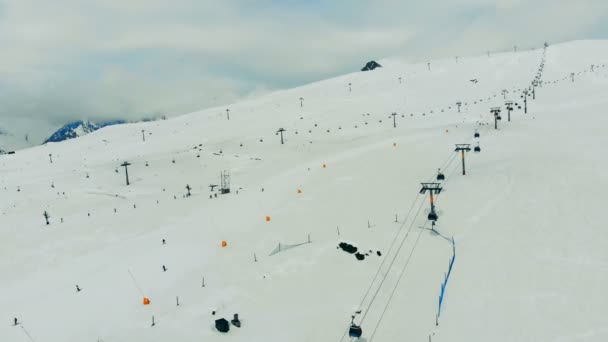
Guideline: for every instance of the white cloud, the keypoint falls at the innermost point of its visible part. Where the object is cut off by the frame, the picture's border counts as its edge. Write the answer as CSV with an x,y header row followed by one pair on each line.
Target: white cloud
x,y
69,59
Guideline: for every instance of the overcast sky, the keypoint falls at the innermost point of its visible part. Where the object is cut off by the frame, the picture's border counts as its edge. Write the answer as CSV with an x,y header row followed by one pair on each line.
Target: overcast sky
x,y
62,60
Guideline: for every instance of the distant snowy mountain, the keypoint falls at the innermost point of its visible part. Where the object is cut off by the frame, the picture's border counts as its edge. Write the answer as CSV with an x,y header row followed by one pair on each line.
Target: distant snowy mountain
x,y
79,128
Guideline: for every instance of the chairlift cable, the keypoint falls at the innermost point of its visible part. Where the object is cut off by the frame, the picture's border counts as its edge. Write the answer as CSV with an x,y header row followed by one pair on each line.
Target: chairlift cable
x,y
391,264
390,298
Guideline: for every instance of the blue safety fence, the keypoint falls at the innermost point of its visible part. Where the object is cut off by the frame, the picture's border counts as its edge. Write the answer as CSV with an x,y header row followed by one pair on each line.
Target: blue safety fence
x,y
447,277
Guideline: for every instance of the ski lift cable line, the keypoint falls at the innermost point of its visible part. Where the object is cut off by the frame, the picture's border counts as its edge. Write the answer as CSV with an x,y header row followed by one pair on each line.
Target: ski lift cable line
x,y
392,262
404,268
397,283
449,175
389,250
446,164
450,160
386,258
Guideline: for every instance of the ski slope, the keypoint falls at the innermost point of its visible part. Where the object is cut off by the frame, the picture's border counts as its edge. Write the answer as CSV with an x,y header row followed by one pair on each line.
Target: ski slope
x,y
531,260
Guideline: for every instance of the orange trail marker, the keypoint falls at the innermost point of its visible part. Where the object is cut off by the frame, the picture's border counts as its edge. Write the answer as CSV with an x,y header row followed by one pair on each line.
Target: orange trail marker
x,y
146,301
224,244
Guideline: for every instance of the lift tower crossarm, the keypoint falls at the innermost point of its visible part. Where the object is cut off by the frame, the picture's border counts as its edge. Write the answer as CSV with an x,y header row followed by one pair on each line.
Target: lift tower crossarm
x,y
126,165
281,130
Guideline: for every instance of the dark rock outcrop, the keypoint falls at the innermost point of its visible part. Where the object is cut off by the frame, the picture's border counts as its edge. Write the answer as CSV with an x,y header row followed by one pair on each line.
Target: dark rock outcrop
x,y
371,65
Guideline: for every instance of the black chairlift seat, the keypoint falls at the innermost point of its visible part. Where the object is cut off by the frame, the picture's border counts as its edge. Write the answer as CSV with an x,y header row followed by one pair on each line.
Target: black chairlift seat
x,y
476,135
477,149
355,331
498,118
432,217
440,176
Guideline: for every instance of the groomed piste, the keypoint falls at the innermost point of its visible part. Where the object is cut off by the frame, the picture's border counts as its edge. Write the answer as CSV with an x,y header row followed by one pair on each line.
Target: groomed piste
x,y
472,187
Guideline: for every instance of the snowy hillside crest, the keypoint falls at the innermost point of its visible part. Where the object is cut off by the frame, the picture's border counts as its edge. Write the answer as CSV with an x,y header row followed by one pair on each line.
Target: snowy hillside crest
x,y
404,203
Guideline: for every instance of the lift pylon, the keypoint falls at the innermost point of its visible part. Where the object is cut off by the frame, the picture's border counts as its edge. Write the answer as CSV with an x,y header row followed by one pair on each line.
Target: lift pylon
x,y
432,188
462,148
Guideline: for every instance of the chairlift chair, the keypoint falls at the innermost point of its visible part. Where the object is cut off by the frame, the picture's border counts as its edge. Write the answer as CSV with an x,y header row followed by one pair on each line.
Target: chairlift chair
x,y
355,331
432,216
440,176
477,148
476,135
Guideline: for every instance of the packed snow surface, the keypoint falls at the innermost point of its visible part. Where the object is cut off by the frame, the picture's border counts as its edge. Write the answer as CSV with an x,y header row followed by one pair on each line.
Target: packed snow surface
x,y
527,222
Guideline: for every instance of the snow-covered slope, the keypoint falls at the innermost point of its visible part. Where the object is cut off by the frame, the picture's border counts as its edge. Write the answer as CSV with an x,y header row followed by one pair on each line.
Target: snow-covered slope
x,y
526,219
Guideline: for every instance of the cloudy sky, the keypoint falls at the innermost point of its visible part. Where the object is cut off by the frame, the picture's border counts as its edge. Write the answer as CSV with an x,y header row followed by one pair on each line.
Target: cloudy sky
x,y
62,60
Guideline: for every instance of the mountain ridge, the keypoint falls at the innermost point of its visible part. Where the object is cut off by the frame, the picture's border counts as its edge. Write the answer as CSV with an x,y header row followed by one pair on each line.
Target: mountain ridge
x,y
79,128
